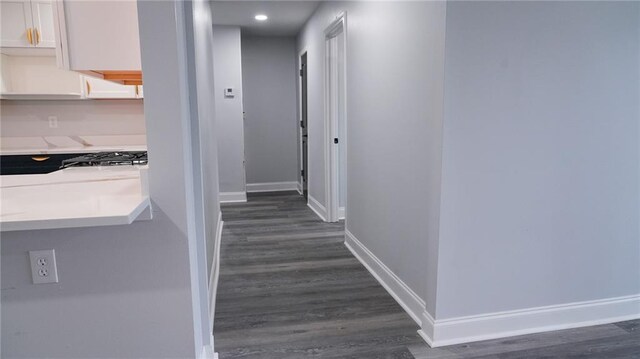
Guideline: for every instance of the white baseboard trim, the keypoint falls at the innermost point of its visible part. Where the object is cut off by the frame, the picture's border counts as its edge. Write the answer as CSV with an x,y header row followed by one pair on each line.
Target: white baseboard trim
x,y
272,186
341,213
317,208
531,320
300,188
405,296
427,328
207,353
215,270
232,197
442,332
214,355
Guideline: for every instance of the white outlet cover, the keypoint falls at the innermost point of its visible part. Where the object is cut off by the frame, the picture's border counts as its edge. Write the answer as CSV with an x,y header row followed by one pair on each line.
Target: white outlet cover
x,y
43,266
53,121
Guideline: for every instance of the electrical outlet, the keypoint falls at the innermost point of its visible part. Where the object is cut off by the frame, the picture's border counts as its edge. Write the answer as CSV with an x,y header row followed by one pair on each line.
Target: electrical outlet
x,y
53,122
43,266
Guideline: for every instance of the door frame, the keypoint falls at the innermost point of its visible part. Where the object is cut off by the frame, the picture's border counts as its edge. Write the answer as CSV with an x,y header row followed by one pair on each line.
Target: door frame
x,y
331,159
298,123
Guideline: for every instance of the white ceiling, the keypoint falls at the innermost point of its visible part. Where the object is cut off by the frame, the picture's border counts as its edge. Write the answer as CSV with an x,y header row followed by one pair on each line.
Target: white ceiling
x,y
286,18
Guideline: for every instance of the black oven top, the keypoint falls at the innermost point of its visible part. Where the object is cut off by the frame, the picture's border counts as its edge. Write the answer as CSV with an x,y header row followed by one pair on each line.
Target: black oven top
x,y
107,159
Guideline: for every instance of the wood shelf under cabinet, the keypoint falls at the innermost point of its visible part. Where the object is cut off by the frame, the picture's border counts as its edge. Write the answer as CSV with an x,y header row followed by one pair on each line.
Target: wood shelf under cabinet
x,y
121,77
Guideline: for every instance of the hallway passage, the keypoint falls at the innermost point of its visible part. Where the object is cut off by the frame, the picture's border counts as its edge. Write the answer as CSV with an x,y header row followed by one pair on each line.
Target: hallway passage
x,y
289,288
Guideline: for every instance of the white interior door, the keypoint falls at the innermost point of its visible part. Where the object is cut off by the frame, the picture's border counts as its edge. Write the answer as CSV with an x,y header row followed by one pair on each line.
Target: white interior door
x,y
341,125
336,120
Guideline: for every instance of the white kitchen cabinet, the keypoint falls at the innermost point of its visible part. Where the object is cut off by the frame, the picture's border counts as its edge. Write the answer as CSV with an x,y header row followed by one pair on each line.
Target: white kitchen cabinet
x,y
27,24
102,89
42,12
16,20
37,77
99,38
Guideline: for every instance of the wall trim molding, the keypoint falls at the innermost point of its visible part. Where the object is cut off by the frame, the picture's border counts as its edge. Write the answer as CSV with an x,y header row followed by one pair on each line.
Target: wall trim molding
x,y
341,213
208,353
233,197
319,209
272,186
300,188
211,350
215,269
442,332
400,291
427,328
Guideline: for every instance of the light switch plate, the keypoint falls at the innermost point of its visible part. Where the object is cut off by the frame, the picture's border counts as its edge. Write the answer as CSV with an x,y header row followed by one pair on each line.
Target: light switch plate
x,y
43,266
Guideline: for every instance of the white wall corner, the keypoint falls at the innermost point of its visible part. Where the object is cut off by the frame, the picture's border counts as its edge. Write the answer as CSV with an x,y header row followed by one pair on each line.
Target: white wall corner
x,y
300,188
232,197
400,291
532,320
215,271
319,209
341,213
272,186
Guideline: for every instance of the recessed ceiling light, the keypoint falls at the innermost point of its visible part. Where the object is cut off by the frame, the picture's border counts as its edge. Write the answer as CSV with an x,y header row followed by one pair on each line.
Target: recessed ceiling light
x,y
261,17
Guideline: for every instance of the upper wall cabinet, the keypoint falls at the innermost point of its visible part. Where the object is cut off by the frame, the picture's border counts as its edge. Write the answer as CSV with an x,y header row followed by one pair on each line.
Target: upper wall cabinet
x,y
37,78
27,24
42,11
102,89
99,38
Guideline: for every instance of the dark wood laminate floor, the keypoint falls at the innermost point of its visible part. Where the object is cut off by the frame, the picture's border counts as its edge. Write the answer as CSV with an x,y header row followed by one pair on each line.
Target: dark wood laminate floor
x,y
289,288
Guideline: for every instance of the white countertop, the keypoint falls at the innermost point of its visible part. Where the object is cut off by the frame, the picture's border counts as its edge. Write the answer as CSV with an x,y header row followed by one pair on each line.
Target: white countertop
x,y
49,145
73,197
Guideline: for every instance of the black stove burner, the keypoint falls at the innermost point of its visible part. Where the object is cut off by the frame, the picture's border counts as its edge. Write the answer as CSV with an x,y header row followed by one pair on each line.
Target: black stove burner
x,y
107,159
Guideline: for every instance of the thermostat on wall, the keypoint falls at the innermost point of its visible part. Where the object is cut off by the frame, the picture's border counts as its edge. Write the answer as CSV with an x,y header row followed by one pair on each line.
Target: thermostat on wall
x,y
228,92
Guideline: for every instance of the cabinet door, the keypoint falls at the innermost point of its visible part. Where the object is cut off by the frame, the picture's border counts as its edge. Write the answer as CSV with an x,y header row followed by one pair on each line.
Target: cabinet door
x,y
15,23
99,35
44,31
98,88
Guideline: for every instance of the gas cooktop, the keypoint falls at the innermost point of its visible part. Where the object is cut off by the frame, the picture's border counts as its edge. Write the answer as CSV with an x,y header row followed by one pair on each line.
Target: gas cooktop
x,y
107,159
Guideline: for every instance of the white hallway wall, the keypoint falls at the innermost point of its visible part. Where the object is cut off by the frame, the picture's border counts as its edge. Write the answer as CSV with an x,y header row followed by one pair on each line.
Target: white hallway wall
x,y
271,125
230,135
124,291
205,126
541,156
394,137
536,145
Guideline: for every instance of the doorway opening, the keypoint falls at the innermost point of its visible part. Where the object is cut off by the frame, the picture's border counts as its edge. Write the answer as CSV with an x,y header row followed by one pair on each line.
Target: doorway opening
x,y
336,119
304,135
